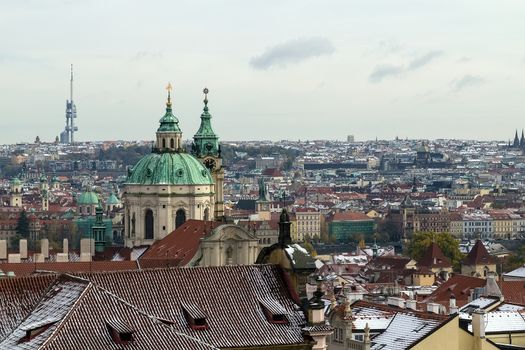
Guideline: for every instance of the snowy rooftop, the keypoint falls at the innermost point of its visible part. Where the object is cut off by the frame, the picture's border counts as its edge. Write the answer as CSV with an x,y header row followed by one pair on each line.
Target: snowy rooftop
x,y
503,321
403,330
481,303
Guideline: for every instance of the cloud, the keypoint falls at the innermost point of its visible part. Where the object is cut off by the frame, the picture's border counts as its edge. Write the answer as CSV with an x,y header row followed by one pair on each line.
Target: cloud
x,y
467,81
423,60
383,71
464,59
292,52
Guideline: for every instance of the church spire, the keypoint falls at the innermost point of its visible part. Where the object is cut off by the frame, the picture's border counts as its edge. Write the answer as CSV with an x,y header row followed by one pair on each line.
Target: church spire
x,y
205,141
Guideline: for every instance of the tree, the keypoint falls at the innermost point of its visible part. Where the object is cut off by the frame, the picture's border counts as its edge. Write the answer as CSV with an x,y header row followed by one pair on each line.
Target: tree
x,y
448,244
22,226
309,248
21,231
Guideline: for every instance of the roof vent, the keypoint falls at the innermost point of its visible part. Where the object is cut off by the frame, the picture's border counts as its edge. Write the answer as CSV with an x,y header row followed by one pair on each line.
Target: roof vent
x,y
119,331
195,316
274,312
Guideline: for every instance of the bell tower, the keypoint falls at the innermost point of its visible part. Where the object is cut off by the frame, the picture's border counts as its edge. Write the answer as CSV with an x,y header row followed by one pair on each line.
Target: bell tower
x,y
207,149
15,198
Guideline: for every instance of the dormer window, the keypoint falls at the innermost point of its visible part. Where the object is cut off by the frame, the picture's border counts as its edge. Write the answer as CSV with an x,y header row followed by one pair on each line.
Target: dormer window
x,y
274,312
120,332
194,316
35,328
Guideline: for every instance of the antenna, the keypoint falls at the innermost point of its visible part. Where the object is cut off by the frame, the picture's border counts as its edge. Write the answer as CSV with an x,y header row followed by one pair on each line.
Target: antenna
x,y
71,85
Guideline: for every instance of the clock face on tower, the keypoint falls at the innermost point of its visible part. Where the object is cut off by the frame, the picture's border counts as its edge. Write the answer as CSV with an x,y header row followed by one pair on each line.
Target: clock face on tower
x,y
209,163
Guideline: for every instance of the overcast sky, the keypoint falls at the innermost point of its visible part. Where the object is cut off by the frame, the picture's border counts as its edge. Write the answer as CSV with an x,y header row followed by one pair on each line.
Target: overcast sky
x,y
275,69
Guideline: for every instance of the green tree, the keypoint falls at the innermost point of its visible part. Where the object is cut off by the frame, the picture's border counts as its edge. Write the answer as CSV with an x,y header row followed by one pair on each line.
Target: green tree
x,y
22,226
448,244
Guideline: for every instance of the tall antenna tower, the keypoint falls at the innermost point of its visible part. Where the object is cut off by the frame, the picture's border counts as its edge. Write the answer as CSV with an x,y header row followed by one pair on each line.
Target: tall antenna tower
x,y
68,135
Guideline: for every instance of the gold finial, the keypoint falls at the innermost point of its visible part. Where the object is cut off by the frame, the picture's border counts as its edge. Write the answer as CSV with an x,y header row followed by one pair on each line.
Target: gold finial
x,y
169,88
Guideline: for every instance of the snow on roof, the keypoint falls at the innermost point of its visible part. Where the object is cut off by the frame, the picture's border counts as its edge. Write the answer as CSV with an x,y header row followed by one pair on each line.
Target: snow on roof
x,y
503,321
480,303
519,272
403,330
510,307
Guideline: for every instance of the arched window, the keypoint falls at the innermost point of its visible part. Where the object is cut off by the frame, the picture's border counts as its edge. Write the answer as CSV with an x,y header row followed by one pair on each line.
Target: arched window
x,y
148,223
133,224
207,214
172,143
163,143
180,218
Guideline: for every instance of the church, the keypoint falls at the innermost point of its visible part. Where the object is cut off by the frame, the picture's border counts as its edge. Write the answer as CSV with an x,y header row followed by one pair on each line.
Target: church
x,y
169,186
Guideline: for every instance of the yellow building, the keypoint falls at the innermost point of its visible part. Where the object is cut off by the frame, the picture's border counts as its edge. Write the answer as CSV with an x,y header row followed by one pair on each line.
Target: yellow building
x,y
308,224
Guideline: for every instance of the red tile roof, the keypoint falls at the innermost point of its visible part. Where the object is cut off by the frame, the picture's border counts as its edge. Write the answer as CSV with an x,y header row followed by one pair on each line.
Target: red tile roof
x,y
479,255
434,258
229,296
350,216
182,244
18,297
513,291
459,286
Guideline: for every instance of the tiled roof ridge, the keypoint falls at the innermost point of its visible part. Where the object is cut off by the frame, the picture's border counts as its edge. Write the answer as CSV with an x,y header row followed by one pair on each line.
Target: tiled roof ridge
x,y
150,269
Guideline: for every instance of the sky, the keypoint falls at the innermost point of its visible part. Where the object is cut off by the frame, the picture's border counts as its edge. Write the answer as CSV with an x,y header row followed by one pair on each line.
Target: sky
x,y
297,70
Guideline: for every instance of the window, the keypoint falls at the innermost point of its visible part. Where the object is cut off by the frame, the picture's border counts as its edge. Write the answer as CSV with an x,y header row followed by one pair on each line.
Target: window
x,y
163,143
180,218
207,214
148,223
172,143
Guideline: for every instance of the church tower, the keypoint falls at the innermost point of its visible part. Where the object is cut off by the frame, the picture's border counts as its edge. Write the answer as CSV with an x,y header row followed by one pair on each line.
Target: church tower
x,y
207,149
99,230
15,198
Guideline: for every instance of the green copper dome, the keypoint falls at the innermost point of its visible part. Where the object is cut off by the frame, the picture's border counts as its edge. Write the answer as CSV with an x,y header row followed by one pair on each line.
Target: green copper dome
x,y
16,181
172,168
112,200
87,198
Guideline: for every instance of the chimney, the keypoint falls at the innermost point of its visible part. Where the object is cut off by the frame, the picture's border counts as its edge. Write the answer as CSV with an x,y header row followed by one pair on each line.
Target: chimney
x,y
44,247
87,246
3,249
398,302
23,249
62,257
478,323
411,304
65,246
13,258
452,301
38,258
433,308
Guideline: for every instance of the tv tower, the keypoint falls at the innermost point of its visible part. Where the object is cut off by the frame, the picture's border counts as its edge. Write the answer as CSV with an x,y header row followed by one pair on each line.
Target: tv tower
x,y
68,135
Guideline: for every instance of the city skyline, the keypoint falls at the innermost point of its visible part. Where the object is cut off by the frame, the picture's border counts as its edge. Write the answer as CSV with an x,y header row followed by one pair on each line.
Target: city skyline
x,y
328,70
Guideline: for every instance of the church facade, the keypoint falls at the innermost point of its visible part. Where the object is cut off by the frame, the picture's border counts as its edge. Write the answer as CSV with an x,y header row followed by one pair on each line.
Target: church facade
x,y
169,186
